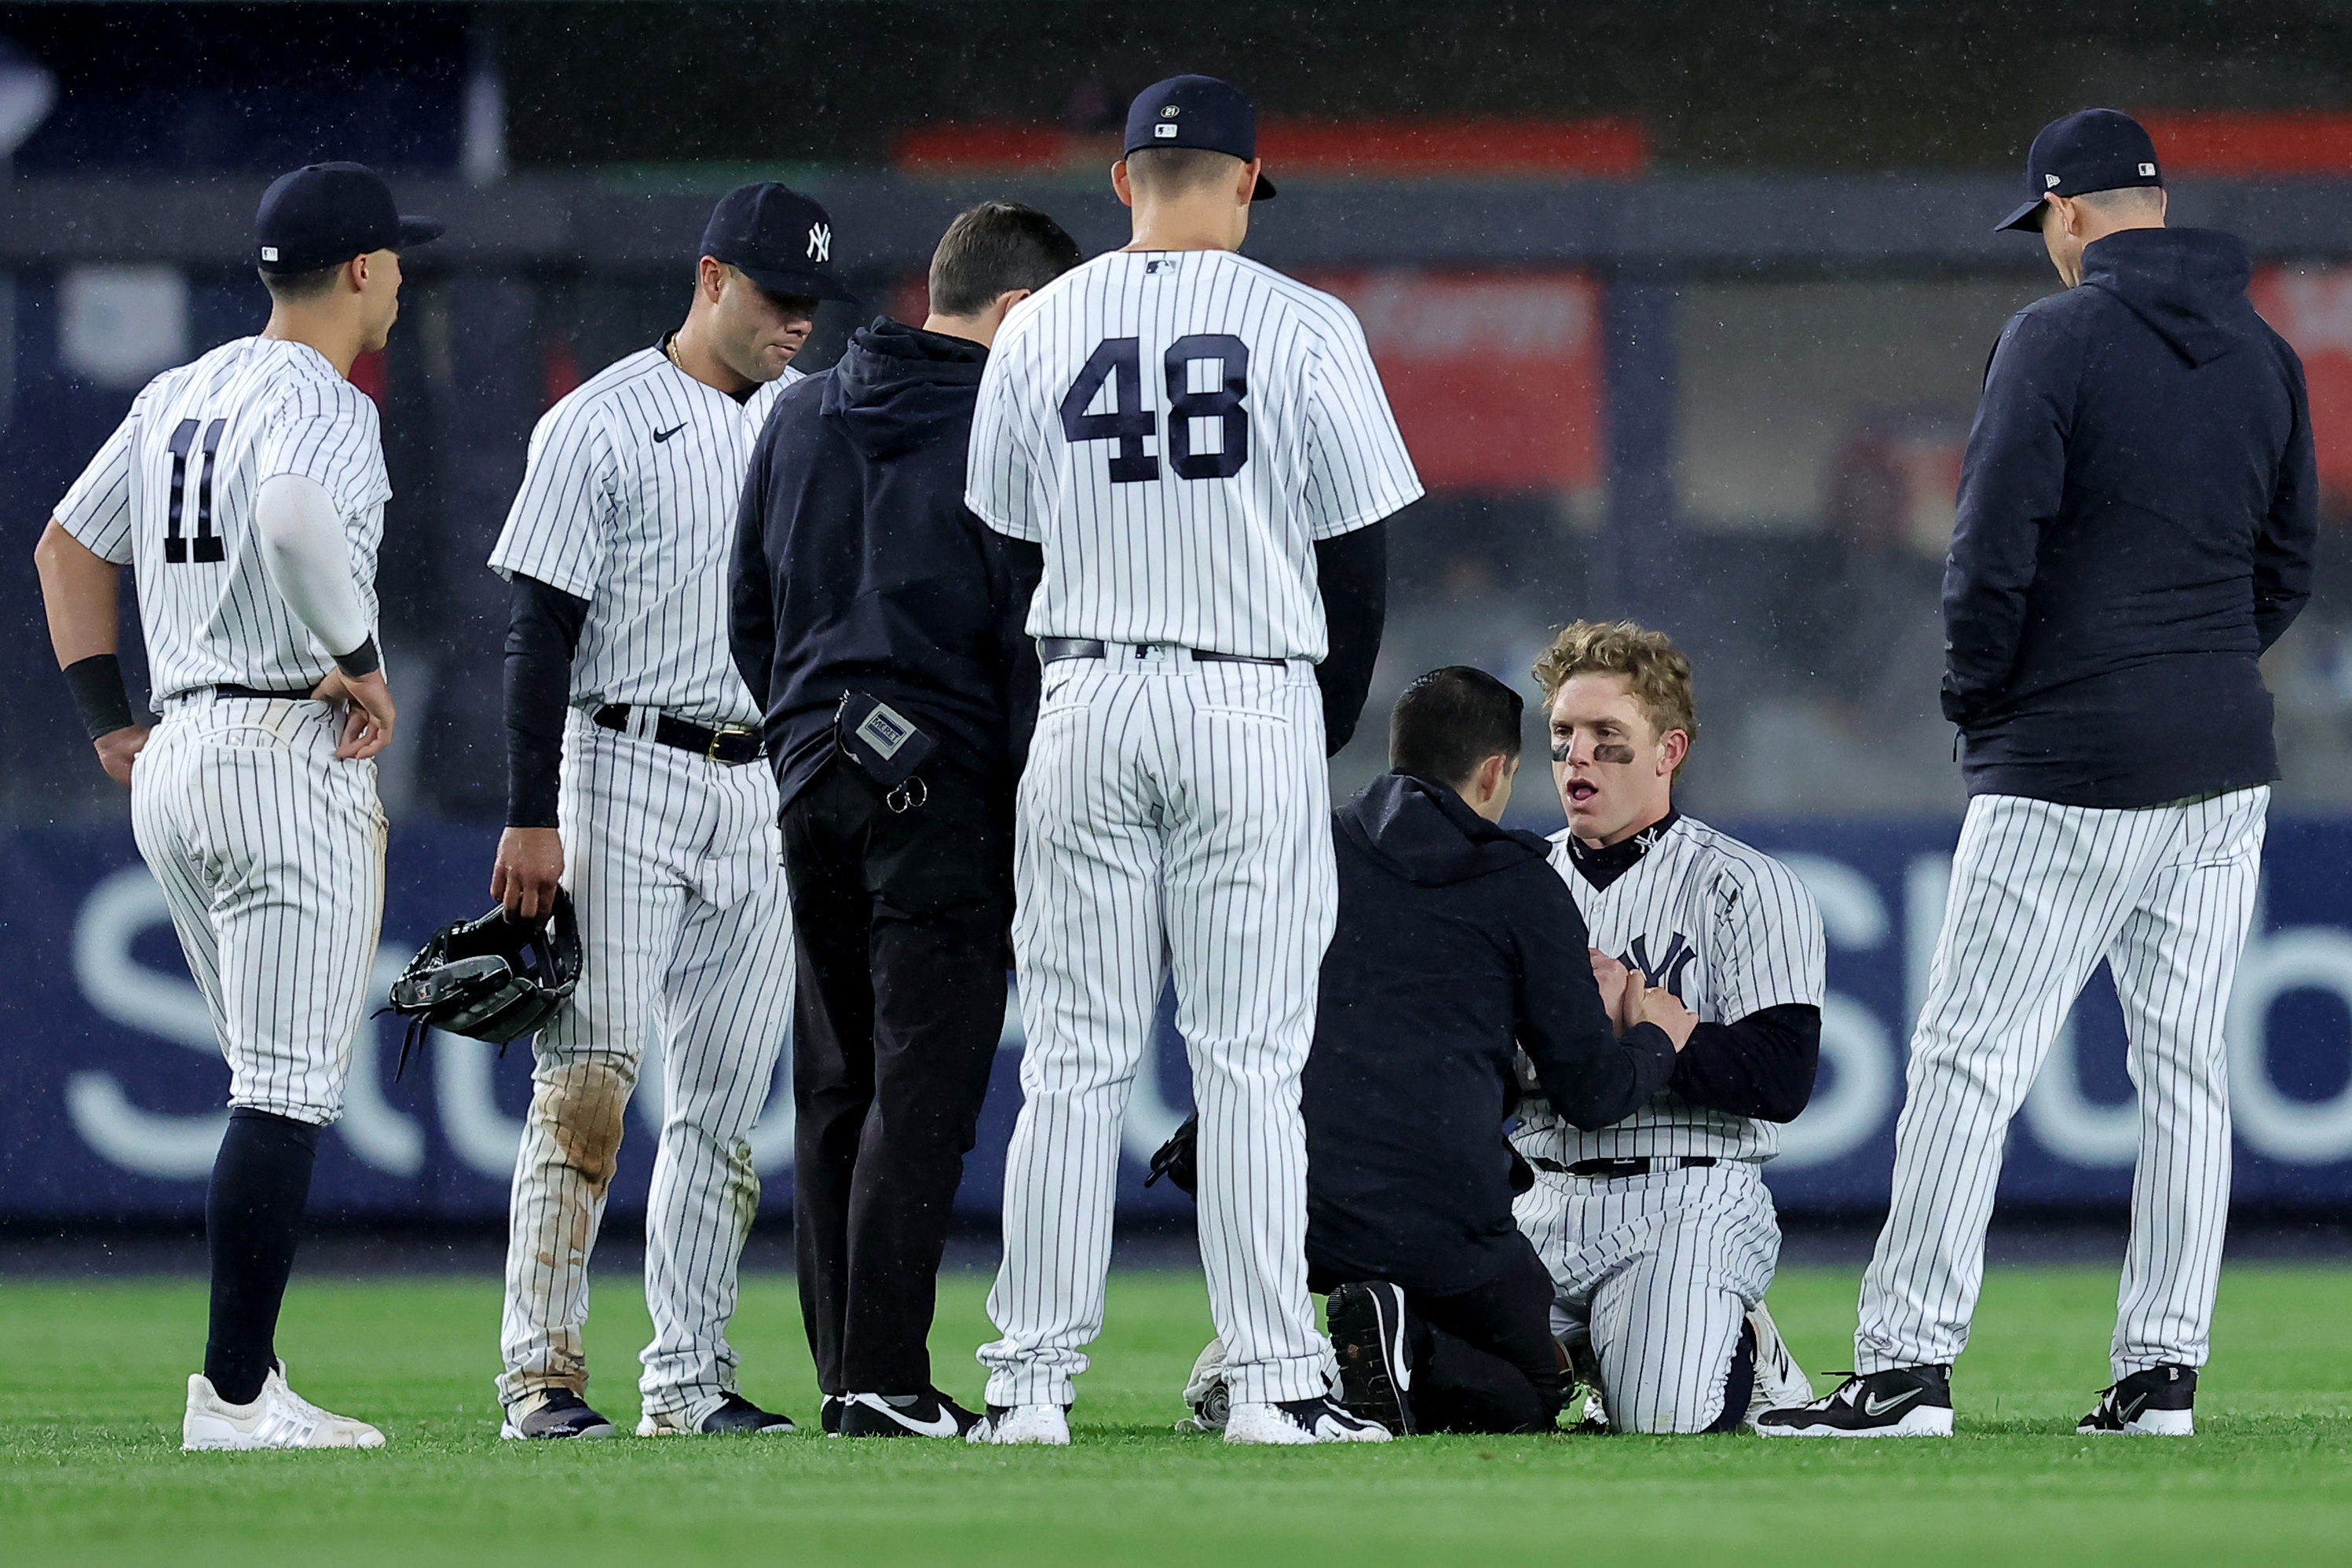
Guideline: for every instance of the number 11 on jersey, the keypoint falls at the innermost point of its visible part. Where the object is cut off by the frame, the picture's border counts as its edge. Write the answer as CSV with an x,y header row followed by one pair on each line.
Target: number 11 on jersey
x,y
1118,363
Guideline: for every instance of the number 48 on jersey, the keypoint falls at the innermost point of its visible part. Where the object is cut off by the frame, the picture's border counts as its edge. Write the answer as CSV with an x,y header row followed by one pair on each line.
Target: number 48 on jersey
x,y
1117,362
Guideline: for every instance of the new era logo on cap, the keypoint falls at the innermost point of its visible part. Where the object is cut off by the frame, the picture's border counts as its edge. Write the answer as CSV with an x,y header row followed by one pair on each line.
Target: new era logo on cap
x,y
2091,150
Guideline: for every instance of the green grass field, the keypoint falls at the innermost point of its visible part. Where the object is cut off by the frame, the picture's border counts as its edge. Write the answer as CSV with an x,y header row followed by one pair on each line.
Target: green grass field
x,y
90,1471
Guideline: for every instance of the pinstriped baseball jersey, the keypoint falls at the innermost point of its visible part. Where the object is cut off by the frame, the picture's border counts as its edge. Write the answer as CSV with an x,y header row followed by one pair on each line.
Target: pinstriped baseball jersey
x,y
628,498
1177,429
170,494
1729,930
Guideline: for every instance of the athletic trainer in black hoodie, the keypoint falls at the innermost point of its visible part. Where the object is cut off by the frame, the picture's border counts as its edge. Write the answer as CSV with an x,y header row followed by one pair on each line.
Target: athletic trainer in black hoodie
x,y
1456,942
860,578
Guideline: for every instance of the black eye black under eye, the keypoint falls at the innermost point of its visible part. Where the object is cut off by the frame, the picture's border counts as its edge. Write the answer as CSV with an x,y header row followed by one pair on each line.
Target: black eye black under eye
x,y
1558,750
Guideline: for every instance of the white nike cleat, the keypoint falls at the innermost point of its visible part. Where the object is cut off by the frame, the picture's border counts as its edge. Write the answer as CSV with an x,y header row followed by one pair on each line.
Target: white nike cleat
x,y
1047,1425
277,1418
1298,1422
1781,1382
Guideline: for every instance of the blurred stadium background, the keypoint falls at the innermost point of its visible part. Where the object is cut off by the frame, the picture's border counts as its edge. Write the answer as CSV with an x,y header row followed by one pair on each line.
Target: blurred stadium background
x,y
1683,306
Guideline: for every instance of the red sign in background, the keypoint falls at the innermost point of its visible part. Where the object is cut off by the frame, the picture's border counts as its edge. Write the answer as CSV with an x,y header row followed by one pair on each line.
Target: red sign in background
x,y
2311,307
1495,377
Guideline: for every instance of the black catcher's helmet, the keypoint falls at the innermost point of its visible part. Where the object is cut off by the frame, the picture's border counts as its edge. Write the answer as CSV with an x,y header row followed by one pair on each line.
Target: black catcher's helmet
x,y
492,978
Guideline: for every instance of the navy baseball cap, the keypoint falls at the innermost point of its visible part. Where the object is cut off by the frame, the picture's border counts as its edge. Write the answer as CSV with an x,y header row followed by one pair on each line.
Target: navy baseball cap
x,y
323,214
1196,112
2090,149
776,237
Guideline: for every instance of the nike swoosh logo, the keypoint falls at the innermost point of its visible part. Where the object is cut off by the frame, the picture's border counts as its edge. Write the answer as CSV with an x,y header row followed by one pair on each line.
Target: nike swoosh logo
x,y
941,1426
2130,1413
662,436
1874,1406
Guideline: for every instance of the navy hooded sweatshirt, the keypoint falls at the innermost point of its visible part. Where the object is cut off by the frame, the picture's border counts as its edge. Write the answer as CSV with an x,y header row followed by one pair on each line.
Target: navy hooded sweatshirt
x,y
1456,941
857,566
2136,513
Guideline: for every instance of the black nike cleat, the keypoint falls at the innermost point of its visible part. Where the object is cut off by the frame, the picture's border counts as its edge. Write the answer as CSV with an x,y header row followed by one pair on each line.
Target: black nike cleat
x,y
735,1416
1905,1402
1367,1336
555,1412
2151,1403
929,1413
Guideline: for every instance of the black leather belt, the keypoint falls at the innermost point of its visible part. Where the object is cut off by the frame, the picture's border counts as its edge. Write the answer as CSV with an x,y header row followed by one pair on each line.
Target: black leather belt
x,y
1610,1170
732,746
1054,650
227,690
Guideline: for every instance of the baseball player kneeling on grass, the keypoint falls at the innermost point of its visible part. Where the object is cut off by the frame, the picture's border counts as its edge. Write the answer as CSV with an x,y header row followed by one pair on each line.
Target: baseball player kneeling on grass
x,y
663,826
1658,1230
1454,941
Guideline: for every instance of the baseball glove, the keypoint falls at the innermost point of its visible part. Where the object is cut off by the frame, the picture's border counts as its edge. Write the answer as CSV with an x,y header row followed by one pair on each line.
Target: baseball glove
x,y
493,979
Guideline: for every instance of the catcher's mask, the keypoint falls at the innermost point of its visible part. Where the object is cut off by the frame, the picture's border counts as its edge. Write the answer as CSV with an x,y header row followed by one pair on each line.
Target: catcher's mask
x,y
493,979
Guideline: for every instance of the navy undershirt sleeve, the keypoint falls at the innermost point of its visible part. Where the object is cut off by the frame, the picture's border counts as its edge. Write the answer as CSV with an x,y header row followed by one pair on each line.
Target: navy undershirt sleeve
x,y
1352,569
543,634
1763,1066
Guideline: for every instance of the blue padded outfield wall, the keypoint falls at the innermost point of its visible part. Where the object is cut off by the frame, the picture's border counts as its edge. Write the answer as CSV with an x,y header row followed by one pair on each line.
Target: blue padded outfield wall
x,y
110,1085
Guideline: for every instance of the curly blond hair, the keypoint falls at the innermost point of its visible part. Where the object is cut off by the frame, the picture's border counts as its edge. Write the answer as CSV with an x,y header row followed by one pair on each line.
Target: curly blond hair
x,y
1658,673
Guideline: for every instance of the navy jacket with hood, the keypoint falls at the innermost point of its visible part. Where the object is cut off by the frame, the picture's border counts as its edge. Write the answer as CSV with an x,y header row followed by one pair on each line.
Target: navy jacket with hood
x,y
2136,513
1456,941
858,566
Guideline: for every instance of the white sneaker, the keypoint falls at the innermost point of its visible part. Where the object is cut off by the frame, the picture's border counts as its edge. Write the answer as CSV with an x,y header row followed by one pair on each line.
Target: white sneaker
x,y
1046,1425
1781,1382
1299,1421
277,1418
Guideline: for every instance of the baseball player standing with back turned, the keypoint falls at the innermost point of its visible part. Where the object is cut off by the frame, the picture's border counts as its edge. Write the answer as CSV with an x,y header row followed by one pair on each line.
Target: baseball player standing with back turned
x,y
617,551
2136,512
246,491
1188,435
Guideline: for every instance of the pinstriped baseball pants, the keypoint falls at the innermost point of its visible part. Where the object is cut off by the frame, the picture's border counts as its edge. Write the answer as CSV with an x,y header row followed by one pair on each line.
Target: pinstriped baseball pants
x,y
270,856
1173,815
671,862
1659,1269
2040,894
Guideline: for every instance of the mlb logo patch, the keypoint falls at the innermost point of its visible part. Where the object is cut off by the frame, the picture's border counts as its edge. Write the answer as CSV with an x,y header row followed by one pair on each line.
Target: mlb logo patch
x,y
1165,132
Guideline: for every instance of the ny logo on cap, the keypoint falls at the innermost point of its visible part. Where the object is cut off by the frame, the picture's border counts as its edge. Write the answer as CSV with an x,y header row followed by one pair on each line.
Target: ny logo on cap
x,y
820,245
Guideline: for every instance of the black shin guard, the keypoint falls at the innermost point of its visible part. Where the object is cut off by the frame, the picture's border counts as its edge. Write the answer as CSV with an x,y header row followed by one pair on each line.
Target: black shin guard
x,y
253,1213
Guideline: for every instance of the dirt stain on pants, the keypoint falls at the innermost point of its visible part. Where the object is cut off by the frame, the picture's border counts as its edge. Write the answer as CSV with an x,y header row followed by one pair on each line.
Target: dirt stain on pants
x,y
571,1149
